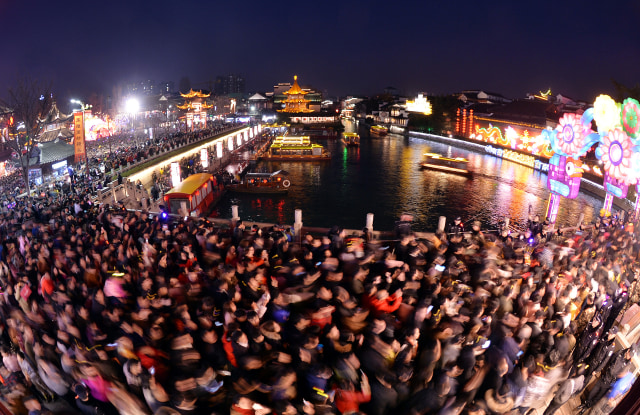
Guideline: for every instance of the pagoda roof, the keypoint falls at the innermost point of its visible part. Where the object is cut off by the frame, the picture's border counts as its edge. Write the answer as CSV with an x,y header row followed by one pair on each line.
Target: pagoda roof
x,y
55,115
195,94
295,88
60,133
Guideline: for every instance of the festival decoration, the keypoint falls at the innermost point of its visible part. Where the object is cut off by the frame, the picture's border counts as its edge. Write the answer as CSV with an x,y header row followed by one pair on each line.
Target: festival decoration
x,y
615,151
618,151
631,117
514,138
605,113
571,139
636,209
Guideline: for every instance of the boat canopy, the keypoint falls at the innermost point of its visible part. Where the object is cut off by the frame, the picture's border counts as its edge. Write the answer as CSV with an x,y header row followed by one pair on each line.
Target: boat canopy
x,y
276,173
189,185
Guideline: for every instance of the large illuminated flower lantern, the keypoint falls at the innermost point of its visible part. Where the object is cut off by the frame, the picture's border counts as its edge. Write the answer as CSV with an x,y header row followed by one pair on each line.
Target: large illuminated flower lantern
x,y
616,151
606,113
571,133
630,117
571,139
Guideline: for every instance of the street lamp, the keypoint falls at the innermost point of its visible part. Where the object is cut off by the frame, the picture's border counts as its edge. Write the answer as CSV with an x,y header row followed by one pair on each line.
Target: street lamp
x,y
83,106
131,107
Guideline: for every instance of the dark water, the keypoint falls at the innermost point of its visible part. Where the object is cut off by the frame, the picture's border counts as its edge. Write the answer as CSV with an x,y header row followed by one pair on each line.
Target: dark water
x,y
382,177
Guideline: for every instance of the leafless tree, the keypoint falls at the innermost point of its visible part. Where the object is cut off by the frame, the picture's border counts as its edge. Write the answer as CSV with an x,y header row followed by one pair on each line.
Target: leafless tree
x,y
29,101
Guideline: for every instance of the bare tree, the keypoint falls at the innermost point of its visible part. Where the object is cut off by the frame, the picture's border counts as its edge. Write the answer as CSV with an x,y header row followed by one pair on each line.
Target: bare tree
x,y
29,101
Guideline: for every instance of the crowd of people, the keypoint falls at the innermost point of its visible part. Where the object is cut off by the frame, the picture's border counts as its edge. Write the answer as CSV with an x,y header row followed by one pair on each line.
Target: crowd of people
x,y
122,149
104,155
108,311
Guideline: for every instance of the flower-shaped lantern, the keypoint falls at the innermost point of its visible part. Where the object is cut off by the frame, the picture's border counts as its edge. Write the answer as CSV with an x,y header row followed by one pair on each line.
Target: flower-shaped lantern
x,y
606,113
616,151
569,141
630,117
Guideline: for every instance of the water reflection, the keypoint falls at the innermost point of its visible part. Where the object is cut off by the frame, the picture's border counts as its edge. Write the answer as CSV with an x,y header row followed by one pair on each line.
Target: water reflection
x,y
382,177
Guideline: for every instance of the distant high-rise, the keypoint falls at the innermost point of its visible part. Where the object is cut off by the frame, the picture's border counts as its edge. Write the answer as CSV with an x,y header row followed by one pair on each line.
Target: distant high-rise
x,y
229,84
147,87
166,87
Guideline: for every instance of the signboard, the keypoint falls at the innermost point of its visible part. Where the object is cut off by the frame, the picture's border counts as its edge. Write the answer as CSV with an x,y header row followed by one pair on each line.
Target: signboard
x,y
175,174
204,158
78,136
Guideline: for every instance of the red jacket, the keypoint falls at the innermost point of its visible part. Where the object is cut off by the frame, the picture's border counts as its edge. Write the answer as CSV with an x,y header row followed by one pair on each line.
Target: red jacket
x,y
388,305
228,348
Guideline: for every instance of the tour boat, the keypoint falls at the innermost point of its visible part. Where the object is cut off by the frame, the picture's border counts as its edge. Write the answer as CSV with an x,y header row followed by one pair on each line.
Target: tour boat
x,y
379,130
351,139
262,183
295,148
451,165
191,197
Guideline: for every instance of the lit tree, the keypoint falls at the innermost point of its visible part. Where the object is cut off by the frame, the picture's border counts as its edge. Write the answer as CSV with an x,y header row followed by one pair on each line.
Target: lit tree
x,y
29,102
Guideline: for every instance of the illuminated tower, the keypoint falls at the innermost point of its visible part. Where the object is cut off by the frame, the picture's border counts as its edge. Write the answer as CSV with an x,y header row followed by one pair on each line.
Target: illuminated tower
x,y
295,102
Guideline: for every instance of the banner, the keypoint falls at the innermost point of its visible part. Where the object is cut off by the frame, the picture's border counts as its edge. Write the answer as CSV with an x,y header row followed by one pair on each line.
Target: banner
x,y
78,136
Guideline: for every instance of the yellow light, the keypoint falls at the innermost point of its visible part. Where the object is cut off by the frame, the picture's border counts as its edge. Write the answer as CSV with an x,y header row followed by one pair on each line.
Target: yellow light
x,y
606,113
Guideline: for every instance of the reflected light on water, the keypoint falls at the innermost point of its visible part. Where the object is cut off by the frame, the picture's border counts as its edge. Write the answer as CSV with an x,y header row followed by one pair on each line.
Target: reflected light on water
x,y
383,177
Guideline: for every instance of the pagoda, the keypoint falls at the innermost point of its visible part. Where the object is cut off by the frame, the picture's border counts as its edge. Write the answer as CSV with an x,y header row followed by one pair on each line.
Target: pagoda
x,y
295,102
196,105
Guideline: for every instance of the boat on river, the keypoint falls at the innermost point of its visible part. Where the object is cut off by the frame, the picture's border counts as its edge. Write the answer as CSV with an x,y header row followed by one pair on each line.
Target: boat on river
x,y
379,130
262,183
295,148
191,197
351,139
458,165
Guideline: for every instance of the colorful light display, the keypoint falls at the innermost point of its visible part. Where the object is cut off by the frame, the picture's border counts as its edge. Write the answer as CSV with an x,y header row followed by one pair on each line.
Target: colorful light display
x,y
615,151
571,139
514,137
420,104
618,149
605,113
564,176
631,117
96,127
517,157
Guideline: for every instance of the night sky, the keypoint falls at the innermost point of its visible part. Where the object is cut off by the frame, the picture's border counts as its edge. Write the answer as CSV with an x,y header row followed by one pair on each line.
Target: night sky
x,y
338,47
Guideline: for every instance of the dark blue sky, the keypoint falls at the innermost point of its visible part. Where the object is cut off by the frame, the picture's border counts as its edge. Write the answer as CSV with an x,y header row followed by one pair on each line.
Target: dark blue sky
x,y
341,47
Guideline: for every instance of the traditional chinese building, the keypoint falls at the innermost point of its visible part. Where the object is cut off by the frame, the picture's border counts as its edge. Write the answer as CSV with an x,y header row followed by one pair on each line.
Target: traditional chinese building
x,y
296,101
196,106
56,125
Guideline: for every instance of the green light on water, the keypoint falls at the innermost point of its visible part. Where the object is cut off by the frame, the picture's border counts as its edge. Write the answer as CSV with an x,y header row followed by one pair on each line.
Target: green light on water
x,y
344,159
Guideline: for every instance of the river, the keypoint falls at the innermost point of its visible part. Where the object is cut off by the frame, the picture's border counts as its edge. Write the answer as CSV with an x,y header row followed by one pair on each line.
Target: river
x,y
383,177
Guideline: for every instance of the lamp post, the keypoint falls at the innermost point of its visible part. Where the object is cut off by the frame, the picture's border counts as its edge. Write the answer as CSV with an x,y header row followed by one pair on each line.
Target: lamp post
x,y
109,126
132,106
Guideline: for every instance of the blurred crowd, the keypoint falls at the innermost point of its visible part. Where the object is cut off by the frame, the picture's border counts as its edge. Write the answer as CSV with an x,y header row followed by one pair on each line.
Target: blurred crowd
x,y
107,311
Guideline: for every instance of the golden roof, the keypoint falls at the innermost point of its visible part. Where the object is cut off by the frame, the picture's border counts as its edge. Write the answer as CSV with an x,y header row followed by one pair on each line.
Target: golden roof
x,y
186,106
295,88
195,94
